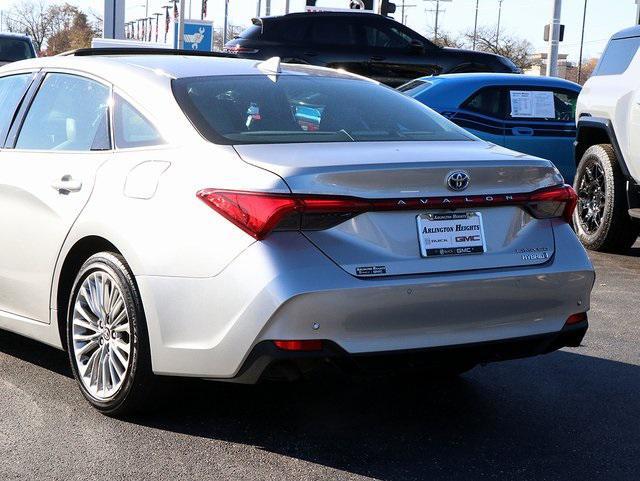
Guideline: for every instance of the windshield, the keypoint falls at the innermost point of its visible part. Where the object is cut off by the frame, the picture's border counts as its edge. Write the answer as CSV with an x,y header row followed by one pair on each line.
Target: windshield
x,y
14,49
262,109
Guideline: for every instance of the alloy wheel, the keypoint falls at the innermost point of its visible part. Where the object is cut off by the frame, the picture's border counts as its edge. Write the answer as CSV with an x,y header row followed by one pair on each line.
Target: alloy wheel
x,y
591,197
101,334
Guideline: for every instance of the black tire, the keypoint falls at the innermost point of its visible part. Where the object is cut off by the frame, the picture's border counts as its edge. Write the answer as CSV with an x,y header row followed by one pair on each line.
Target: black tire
x,y
615,231
138,379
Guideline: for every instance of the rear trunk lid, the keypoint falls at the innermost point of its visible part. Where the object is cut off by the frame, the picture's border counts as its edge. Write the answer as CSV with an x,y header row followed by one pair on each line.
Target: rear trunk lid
x,y
394,242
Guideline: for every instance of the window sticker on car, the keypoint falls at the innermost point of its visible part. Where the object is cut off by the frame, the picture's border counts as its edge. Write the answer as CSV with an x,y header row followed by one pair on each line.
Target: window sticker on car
x,y
532,104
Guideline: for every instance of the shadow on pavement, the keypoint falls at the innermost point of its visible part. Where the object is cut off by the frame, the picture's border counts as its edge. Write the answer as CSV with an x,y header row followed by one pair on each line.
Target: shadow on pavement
x,y
560,416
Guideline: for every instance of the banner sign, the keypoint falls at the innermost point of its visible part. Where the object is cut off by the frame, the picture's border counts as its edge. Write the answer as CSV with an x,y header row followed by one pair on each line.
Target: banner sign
x,y
198,35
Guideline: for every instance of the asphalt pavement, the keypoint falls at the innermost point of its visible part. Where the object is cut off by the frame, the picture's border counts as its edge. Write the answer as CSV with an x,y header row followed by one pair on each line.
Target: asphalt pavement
x,y
573,414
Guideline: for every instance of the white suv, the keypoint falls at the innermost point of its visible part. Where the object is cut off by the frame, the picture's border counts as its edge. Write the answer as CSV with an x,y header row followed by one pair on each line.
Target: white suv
x,y
608,153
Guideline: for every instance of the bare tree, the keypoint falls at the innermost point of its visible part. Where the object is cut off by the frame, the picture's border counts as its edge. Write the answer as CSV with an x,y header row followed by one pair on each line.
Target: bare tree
x,y
447,39
63,24
31,17
218,37
588,66
518,50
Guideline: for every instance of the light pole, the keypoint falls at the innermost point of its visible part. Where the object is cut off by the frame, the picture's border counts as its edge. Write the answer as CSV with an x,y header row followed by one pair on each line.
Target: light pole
x,y
258,8
181,25
226,21
499,16
584,20
475,25
554,40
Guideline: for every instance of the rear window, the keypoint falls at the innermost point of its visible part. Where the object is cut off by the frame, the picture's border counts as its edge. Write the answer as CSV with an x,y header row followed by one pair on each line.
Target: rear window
x,y
262,109
14,49
253,32
617,56
414,84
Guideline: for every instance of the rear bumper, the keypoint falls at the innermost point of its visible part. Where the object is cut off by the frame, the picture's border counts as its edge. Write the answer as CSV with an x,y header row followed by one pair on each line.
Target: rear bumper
x,y
267,360
286,289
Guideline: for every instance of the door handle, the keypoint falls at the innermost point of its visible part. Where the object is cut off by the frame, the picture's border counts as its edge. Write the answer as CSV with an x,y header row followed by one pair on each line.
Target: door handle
x,y
310,54
377,59
522,131
66,184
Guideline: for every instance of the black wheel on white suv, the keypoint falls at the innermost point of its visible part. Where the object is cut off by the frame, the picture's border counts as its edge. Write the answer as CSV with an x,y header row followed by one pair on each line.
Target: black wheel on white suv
x,y
107,336
601,218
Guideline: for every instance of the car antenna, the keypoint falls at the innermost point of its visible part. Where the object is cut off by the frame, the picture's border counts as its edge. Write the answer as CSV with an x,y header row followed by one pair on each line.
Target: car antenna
x,y
271,66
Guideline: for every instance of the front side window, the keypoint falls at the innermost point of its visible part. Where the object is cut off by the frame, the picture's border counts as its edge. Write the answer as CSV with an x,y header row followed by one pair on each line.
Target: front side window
x,y
131,128
68,113
541,103
384,36
257,109
12,89
617,56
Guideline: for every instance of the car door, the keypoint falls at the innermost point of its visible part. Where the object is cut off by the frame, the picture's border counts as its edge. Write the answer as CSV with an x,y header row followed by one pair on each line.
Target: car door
x,y
482,114
396,54
540,121
61,137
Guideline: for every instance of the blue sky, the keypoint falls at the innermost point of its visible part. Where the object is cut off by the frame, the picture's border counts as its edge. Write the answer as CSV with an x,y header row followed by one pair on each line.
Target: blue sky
x,y
525,18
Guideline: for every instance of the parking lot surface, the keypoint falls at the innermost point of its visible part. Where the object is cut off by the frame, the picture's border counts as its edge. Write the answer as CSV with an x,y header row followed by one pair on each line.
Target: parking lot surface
x,y
569,415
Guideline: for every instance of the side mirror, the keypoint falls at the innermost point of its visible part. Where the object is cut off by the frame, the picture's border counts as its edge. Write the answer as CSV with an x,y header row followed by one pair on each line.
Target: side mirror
x,y
416,46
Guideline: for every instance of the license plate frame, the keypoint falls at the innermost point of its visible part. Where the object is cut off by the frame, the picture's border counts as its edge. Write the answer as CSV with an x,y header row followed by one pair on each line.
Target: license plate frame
x,y
454,234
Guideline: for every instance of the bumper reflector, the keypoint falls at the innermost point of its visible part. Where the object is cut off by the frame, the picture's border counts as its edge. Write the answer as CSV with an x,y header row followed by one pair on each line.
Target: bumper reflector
x,y
576,318
308,345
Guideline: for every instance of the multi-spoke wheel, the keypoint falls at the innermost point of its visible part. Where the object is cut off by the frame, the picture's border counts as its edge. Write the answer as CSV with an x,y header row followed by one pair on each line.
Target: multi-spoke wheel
x,y
101,335
591,196
601,217
106,335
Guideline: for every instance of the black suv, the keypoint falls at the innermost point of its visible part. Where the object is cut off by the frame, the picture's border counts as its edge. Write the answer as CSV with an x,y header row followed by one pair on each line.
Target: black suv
x,y
362,43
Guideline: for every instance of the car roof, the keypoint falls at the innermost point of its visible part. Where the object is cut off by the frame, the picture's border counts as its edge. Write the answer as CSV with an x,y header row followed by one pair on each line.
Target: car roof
x,y
627,32
451,90
122,69
327,13
487,79
14,35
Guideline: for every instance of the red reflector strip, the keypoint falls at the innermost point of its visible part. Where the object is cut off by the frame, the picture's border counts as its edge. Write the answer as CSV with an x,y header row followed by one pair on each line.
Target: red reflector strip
x,y
576,318
259,213
308,345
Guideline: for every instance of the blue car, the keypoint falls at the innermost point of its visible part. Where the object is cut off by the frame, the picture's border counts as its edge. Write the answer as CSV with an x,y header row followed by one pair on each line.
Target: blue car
x,y
534,115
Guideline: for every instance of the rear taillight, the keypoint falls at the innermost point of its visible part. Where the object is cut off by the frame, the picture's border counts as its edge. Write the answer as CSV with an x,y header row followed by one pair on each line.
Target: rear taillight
x,y
259,213
555,202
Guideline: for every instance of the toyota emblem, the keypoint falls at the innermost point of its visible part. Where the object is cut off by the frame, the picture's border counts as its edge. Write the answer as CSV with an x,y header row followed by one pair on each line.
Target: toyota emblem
x,y
458,180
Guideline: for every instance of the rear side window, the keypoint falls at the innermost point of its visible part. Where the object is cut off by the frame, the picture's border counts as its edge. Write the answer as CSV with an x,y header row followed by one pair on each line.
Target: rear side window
x,y
12,89
14,49
333,32
487,101
618,55
132,129
68,113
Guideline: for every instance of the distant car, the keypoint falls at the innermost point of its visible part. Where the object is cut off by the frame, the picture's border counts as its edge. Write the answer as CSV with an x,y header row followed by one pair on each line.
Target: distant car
x,y
14,47
534,115
367,44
